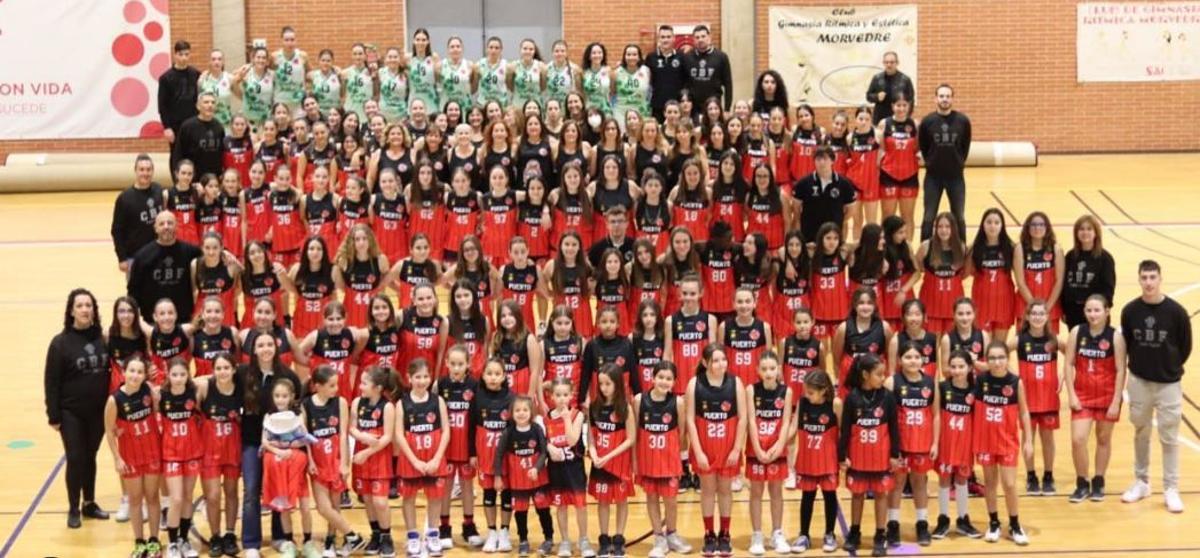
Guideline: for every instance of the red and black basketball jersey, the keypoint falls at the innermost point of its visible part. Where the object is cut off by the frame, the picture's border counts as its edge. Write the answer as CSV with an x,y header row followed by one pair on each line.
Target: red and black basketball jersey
x,y
800,356
499,225
804,146
658,438
615,293
829,288
419,336
716,417
522,452
181,422
754,152
335,350
137,427
719,282
1037,359
574,295
745,345
941,286
260,285
238,154
208,215
462,219
222,426
1095,368
321,217
689,336
973,343
519,284
216,282
166,346
954,440
231,224
769,407
789,295
323,157
529,227
764,215
569,216
120,350
648,353
997,414
257,215
862,167
928,343
412,274
382,348
472,336
899,149
428,217
350,213
514,353
868,341
183,204
390,225
818,439
324,423
369,419
728,206
362,278
459,398
914,400
315,291
992,289
209,345
867,430
693,213
564,360
653,222
556,434
272,156
490,417
608,432
287,230
423,432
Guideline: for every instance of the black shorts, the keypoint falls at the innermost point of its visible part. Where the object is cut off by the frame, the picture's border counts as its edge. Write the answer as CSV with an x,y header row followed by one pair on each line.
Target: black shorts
x,y
567,475
886,180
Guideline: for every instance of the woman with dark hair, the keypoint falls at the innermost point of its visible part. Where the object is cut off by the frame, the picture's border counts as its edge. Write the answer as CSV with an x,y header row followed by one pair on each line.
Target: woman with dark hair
x,y
76,382
1088,270
597,78
769,92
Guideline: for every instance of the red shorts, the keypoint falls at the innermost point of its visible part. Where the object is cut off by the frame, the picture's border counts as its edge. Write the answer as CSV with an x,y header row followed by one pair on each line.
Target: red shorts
x,y
567,497
937,325
372,487
139,471
986,459
960,472
774,471
286,258
463,471
991,325
892,189
181,468
665,487
434,487
824,483
860,482
824,329
1045,421
539,496
487,481
1092,413
918,463
722,471
610,492
227,472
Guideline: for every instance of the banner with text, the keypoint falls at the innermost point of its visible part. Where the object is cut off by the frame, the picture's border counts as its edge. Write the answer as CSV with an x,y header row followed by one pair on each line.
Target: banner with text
x,y
1138,41
82,68
827,55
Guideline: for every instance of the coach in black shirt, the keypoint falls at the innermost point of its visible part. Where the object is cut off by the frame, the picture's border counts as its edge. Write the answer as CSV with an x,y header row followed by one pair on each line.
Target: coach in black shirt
x,y
162,269
134,212
944,137
617,220
823,195
708,71
201,138
666,71
178,88
886,86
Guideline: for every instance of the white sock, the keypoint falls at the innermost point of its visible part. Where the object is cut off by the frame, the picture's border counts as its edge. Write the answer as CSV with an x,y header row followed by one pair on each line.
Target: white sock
x,y
923,514
960,498
893,514
944,500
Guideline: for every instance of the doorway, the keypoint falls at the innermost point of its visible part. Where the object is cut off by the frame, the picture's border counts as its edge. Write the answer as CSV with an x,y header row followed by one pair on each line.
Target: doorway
x,y
476,20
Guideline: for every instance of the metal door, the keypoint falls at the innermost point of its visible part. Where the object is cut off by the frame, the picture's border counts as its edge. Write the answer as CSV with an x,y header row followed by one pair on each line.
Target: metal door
x,y
475,20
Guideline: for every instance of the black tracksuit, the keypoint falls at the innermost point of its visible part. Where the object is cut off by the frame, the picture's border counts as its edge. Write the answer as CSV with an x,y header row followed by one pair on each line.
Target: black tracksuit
x,y
76,390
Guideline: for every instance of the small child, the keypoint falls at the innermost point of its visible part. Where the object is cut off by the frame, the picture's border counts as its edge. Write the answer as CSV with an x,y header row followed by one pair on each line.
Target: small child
x,y
568,481
324,415
489,417
458,390
818,416
521,458
612,434
868,447
766,463
954,459
131,427
1001,431
372,425
283,486
917,403
658,442
422,464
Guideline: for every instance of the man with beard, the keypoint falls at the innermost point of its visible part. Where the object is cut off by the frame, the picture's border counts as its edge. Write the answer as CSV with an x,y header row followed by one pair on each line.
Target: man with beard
x,y
162,269
945,140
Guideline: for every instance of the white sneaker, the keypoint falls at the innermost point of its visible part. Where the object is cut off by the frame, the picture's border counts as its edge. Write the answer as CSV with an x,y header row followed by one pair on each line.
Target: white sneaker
x,y
413,547
474,541
585,549
661,547
993,533
173,551
1018,536
564,549
287,549
433,545
756,544
829,543
1174,502
252,553
675,543
780,542
504,542
790,483
737,484
1138,491
493,541
185,548
800,545
123,510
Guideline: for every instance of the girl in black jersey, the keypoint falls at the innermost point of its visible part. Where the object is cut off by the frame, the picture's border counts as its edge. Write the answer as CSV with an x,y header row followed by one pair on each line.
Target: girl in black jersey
x,y
210,337
770,404
327,416
168,339
220,399
128,414
208,204
421,416
613,429
216,274
964,336
649,343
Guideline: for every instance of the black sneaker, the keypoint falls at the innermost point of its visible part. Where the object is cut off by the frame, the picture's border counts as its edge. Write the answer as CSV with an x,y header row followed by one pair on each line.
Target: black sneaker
x,y
685,483
469,532
91,510
373,544
230,544
1082,489
1032,487
695,480
710,545
445,532
352,543
964,527
216,547
879,548
346,503
1048,484
893,534
605,543
923,536
387,549
329,544
74,520
1097,489
853,540
724,545
618,546
943,527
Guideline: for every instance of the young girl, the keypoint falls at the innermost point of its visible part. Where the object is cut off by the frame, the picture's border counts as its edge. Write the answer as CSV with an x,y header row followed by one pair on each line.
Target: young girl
x,y
572,206
691,202
1002,430
862,168
521,458
680,260
422,331
817,418
519,350
805,139
373,421
754,269
651,216
458,389
568,482
768,208
659,440
469,266
320,208
422,463
897,137
220,399
898,277
716,256
229,200
1040,261
612,433
914,332
869,262
745,337
210,337
941,260
313,281
519,279
337,346
262,278
991,265
425,209
533,218
647,278
325,415
716,420
383,336
649,346
389,217
416,269
613,290
566,280
917,403
801,354
131,428
180,199
688,331
499,214
954,459
607,347
358,271
468,326
610,190
489,416
1037,364
286,230
285,461
728,189
252,206
462,212
564,356
868,447
862,333
216,274
168,340
829,285
770,401
286,344
182,449
1095,375
964,336
789,290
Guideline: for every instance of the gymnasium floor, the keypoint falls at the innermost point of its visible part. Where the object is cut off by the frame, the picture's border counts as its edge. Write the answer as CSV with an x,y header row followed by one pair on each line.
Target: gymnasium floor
x,y
1149,204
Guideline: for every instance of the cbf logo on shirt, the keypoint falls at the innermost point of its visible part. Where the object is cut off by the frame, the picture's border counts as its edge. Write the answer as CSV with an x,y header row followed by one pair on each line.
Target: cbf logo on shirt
x,y
703,72
1148,336
94,362
168,274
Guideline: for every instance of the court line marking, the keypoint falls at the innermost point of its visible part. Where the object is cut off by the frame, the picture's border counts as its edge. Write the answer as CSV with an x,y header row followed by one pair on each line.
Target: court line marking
x,y
1149,229
37,499
1118,235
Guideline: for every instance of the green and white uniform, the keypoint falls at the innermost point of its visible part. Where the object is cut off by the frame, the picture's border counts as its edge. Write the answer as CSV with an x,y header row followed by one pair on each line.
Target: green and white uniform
x,y
597,89
633,93
527,83
393,94
422,84
327,88
559,82
222,87
456,83
358,89
257,92
289,79
493,82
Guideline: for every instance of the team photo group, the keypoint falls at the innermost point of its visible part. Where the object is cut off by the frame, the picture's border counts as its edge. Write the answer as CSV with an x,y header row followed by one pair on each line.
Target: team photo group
x,y
578,278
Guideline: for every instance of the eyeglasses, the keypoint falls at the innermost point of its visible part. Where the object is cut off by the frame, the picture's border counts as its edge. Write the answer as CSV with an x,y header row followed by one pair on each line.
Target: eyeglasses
x,y
1037,225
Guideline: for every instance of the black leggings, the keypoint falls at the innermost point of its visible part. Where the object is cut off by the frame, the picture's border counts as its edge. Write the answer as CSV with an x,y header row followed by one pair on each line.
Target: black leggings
x,y
807,499
81,435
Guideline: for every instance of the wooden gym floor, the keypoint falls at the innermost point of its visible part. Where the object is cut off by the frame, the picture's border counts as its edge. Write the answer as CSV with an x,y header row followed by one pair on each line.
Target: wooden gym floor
x,y
50,243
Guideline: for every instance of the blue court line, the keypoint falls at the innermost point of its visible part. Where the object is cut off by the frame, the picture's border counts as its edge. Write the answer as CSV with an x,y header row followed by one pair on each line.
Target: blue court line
x,y
12,539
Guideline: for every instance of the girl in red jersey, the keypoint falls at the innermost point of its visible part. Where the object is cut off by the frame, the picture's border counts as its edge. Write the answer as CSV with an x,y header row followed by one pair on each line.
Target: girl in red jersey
x,y
790,287
610,442
770,411
518,349
337,346
321,153
660,436
649,345
468,265
271,151
745,338
286,230
1037,363
383,336
801,354
319,208
964,336
564,444
262,278
422,464
572,206
468,327
458,389
238,148
564,350
1038,261
914,332
499,219
868,447
918,404
567,281
180,199
688,331
829,287
521,459
691,202
231,213
265,321
220,399
462,215
805,139
425,208
991,265
729,192
899,277
312,278
613,289
757,149
716,266
422,332
353,208
417,269
182,449
373,422
716,420
868,261
326,416
124,339
131,428
941,260
284,462
533,218
519,281
208,205
1095,375
862,168
954,458
838,139
489,419
768,208
817,417
1002,431
777,132
358,271
897,138
679,261
647,278
215,274
651,215
210,337
253,205
862,333
168,340
389,217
